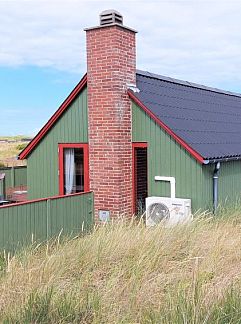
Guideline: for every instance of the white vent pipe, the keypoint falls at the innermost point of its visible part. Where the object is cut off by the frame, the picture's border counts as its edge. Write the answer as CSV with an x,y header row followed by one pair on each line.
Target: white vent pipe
x,y
172,182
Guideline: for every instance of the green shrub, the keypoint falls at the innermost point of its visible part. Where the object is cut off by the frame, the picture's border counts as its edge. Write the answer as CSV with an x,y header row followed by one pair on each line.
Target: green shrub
x,y
20,147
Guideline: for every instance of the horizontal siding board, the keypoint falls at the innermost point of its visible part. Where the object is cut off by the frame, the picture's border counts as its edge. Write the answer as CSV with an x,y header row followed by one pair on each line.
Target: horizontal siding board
x,y
72,127
42,220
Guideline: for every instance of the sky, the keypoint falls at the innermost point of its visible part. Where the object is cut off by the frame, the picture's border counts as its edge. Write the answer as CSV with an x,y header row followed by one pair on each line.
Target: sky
x,y
42,49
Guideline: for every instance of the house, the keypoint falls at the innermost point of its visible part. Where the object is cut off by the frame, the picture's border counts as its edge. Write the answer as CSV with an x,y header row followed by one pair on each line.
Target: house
x,y
13,184
121,127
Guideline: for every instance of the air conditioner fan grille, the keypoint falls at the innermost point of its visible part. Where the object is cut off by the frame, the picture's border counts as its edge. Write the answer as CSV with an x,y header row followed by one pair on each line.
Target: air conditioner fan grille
x,y
158,212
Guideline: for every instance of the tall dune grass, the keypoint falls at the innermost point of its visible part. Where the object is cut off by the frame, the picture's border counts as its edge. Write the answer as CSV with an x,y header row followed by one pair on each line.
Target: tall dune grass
x,y
126,273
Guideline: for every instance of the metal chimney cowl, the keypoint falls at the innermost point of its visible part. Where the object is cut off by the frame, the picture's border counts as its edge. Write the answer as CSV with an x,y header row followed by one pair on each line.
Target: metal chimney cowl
x,y
110,17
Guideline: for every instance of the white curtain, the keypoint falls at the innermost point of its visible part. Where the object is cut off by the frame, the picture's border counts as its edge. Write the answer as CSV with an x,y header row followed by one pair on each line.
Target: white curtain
x,y
69,171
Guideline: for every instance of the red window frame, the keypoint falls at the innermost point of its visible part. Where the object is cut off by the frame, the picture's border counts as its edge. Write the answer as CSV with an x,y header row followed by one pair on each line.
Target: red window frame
x,y
85,148
134,146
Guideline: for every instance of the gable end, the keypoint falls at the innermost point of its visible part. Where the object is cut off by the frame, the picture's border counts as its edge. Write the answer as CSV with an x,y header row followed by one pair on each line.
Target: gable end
x,y
35,141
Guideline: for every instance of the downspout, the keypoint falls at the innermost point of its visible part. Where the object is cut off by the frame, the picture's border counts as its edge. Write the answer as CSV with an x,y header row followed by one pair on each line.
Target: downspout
x,y
215,186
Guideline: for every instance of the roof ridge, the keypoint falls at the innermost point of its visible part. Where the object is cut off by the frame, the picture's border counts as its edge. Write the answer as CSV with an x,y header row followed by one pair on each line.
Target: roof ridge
x,y
186,83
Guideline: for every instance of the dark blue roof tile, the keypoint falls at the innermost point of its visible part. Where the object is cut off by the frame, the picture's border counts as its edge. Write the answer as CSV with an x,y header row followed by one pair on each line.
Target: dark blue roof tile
x,y
207,119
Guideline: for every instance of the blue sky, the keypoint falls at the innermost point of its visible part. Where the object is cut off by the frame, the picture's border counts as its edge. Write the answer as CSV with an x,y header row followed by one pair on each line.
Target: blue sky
x,y
29,96
42,49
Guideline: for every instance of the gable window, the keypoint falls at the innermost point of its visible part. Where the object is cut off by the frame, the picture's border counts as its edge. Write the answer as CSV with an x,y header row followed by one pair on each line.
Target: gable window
x,y
73,168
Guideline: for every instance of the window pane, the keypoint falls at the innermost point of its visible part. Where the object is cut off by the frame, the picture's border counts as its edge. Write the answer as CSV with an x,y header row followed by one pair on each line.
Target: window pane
x,y
79,169
73,170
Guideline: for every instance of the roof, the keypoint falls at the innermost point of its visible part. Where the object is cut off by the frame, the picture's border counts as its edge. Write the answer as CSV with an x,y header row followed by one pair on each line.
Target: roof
x,y
207,119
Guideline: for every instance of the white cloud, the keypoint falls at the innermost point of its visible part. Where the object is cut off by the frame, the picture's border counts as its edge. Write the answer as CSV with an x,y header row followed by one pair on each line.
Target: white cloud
x,y
194,40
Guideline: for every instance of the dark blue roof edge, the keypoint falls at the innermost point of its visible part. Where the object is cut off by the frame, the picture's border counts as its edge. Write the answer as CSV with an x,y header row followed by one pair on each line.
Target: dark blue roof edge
x,y
186,83
221,159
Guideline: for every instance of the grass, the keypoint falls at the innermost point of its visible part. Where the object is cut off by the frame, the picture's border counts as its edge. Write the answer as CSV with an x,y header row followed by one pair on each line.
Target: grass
x,y
9,151
126,273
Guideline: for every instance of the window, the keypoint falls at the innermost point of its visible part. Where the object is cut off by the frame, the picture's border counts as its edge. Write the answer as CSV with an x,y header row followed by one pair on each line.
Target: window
x,y
140,190
73,168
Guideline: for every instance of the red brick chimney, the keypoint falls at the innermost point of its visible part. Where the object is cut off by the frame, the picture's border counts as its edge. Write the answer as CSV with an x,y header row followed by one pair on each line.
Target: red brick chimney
x,y
111,66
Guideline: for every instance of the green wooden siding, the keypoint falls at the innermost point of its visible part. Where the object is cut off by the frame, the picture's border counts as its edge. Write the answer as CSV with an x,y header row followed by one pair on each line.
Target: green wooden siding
x,y
15,176
167,158
41,220
72,127
229,182
2,189
193,180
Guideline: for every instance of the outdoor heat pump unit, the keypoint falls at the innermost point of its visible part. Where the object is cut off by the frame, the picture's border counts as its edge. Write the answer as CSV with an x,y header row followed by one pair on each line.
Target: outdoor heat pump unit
x,y
169,211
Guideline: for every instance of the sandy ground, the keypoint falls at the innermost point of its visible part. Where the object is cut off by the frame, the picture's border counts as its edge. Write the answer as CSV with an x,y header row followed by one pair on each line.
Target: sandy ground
x,y
9,153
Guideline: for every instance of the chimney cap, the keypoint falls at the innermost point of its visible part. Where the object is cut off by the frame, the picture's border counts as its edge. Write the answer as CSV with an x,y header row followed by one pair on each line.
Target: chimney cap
x,y
110,16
